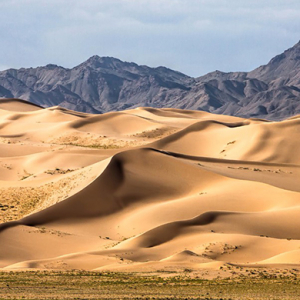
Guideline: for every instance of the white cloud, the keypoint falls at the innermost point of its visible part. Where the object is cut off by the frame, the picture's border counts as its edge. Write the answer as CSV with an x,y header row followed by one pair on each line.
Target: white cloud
x,y
194,36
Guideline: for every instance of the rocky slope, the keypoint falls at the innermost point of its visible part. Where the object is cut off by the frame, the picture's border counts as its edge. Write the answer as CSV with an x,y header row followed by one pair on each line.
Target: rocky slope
x,y
103,84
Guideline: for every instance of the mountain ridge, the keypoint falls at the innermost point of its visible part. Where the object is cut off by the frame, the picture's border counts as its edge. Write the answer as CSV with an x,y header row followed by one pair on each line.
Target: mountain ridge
x,y
102,84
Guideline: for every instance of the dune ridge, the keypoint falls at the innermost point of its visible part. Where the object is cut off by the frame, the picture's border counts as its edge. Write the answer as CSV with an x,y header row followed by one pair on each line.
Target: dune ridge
x,y
146,189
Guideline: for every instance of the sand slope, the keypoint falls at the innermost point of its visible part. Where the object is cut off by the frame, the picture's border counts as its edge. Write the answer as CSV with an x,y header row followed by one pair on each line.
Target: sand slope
x,y
146,189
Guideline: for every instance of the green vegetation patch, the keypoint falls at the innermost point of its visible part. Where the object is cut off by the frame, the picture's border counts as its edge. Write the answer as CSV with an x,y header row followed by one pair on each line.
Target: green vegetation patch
x,y
106,285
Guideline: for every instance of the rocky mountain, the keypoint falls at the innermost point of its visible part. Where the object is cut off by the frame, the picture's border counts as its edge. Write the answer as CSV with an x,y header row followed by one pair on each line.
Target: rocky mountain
x,y
103,84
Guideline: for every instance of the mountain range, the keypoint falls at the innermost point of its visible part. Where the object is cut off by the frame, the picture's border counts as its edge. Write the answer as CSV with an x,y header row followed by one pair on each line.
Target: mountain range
x,y
103,84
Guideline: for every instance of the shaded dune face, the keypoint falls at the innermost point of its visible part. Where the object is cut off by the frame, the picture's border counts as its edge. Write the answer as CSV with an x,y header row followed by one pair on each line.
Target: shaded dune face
x,y
225,222
18,105
131,178
146,189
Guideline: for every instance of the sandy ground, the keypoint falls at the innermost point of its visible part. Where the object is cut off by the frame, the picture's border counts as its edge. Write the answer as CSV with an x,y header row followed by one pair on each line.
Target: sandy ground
x,y
147,190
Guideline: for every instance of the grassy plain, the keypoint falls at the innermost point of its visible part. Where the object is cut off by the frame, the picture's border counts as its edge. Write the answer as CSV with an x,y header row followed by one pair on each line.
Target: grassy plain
x,y
107,285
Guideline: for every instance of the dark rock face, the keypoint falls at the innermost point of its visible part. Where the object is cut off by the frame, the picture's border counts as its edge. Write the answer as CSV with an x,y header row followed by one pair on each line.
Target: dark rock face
x,y
103,84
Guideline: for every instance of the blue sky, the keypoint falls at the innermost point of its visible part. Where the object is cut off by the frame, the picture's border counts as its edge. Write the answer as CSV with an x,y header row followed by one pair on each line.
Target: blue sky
x,y
192,36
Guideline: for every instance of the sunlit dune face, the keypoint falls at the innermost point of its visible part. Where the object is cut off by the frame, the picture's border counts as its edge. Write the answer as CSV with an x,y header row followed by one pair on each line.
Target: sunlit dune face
x,y
147,189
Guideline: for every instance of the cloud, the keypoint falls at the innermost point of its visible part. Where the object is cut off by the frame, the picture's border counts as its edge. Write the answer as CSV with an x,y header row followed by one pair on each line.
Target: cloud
x,y
195,36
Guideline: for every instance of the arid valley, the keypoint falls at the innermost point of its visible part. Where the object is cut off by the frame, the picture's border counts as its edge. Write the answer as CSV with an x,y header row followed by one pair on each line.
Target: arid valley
x,y
150,150
149,191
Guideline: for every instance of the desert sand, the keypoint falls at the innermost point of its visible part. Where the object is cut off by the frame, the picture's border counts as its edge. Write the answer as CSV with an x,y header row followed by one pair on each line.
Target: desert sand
x,y
147,189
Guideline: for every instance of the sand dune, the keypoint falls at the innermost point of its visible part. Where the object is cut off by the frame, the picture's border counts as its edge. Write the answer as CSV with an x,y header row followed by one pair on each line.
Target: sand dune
x,y
146,189
18,105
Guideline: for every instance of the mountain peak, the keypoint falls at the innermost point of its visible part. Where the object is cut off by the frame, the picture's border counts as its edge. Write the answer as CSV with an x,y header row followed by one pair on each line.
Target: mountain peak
x,y
292,53
102,59
51,66
284,65
104,62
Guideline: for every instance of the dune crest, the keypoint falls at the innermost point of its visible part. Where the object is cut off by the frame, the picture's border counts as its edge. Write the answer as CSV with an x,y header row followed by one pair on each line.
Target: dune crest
x,y
146,189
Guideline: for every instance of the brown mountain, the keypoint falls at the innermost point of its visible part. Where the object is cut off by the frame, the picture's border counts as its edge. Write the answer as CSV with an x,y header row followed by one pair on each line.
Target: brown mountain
x,y
103,84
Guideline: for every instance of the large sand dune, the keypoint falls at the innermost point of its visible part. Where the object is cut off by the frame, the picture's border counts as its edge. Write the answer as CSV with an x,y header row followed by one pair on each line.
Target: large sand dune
x,y
146,189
